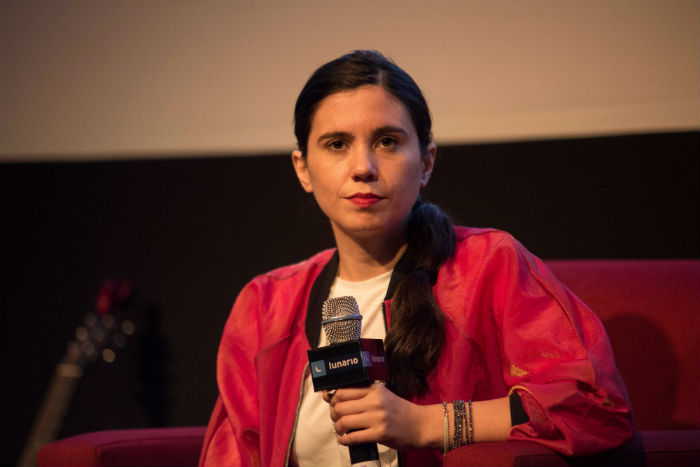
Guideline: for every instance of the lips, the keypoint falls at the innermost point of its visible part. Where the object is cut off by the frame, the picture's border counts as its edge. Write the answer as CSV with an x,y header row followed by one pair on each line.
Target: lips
x,y
364,200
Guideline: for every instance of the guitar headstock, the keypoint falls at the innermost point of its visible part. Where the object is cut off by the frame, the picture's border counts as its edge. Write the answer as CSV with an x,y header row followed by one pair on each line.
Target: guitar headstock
x,y
106,330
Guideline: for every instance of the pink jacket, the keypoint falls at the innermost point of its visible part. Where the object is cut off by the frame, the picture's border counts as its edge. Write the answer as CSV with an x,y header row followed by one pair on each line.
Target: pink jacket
x,y
509,326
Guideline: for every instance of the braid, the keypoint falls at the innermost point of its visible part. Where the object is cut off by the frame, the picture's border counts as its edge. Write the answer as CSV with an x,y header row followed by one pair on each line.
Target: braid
x,y
417,332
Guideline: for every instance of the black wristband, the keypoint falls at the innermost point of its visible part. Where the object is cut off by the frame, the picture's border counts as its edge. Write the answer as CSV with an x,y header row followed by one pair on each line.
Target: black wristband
x,y
517,411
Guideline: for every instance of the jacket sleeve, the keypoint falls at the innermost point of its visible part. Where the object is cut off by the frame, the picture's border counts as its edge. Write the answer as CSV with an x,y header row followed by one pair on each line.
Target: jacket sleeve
x,y
232,436
557,357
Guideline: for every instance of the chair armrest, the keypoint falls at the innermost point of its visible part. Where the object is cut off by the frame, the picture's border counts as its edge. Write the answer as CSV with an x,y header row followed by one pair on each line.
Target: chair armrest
x,y
138,447
649,448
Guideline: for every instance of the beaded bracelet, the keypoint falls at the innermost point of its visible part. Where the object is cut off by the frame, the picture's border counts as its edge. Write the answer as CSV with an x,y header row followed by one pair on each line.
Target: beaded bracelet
x,y
470,428
463,425
446,438
459,428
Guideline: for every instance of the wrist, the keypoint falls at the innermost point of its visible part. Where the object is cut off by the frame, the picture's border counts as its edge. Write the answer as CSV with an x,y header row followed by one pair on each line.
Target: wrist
x,y
431,431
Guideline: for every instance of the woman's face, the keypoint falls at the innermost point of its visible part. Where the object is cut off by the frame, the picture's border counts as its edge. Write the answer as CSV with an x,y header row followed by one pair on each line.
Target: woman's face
x,y
364,164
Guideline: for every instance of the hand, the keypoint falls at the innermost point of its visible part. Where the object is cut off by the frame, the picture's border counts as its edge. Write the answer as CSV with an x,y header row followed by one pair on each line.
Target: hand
x,y
380,416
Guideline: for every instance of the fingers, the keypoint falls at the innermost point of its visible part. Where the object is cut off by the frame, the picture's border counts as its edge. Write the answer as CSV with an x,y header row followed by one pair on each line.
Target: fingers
x,y
345,394
328,395
348,394
375,414
359,414
361,428
349,401
368,435
376,390
347,408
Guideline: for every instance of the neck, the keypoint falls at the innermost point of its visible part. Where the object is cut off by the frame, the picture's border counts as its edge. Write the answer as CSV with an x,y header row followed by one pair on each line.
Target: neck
x,y
364,258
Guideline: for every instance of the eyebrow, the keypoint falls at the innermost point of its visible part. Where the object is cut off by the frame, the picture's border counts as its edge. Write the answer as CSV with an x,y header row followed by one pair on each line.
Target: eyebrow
x,y
344,135
382,130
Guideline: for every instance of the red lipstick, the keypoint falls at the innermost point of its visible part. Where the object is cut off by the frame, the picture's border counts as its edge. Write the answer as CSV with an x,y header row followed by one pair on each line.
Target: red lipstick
x,y
364,200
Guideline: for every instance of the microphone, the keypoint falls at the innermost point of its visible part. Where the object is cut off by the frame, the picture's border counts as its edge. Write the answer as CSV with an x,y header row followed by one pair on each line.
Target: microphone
x,y
348,361
341,319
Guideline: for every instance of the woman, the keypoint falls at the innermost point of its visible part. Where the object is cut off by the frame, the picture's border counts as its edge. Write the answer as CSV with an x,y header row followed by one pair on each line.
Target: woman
x,y
466,314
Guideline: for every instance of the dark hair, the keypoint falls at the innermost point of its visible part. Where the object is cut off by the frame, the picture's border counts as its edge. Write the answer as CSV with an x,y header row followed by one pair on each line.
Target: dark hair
x,y
417,332
351,71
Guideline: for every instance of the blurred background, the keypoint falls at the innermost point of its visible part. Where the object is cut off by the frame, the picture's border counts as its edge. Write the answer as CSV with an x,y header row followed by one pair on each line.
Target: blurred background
x,y
149,141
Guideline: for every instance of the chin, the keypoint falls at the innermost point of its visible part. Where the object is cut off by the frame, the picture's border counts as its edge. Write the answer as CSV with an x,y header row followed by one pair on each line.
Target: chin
x,y
371,230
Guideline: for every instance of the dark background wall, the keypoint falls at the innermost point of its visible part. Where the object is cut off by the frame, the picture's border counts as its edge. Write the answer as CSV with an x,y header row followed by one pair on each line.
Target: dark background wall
x,y
190,232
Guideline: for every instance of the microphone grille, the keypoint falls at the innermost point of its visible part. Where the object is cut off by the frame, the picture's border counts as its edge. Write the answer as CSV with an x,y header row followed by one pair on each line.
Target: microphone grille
x,y
341,319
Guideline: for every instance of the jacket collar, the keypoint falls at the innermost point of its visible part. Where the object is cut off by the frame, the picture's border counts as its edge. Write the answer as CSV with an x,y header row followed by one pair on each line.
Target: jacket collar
x,y
322,286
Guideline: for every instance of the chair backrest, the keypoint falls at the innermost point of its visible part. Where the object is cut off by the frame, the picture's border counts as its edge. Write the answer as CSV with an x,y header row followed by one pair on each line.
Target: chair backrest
x,y
651,311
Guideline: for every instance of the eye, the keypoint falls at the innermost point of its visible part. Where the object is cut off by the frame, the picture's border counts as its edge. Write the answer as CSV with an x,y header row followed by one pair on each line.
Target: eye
x,y
336,145
387,142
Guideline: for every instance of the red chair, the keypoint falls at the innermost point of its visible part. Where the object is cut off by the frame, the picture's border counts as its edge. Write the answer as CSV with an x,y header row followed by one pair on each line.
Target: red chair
x,y
142,447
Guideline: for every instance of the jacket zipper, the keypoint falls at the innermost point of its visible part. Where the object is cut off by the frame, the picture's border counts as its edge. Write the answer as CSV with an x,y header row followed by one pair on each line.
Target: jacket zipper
x,y
386,326
296,417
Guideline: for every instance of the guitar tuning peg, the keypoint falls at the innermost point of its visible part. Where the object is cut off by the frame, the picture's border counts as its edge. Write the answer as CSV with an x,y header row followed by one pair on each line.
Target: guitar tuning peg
x,y
81,333
89,350
98,334
108,355
128,327
107,321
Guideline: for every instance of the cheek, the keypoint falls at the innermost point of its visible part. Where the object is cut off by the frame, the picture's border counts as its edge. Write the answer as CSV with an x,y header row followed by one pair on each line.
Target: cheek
x,y
321,180
324,188
412,178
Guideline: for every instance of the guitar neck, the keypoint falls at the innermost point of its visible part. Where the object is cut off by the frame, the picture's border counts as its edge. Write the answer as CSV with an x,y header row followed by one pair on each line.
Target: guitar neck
x,y
52,412
99,335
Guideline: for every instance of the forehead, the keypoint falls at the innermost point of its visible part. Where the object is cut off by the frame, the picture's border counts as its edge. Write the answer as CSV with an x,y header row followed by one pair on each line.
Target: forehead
x,y
361,109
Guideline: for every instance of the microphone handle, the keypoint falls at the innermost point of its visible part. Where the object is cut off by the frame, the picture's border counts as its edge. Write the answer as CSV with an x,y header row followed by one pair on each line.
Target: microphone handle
x,y
364,455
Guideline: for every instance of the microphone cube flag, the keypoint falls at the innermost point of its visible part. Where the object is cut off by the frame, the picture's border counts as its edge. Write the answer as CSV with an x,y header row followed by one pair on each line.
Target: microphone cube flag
x,y
351,363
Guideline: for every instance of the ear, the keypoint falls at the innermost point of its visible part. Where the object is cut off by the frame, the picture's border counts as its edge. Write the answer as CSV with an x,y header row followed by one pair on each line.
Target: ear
x,y
302,170
428,162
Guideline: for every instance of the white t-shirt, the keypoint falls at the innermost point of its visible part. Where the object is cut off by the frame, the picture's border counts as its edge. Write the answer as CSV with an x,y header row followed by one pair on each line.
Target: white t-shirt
x,y
315,444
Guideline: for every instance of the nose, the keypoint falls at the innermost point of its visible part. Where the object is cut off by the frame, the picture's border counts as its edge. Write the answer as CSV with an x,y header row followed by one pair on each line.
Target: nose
x,y
364,165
